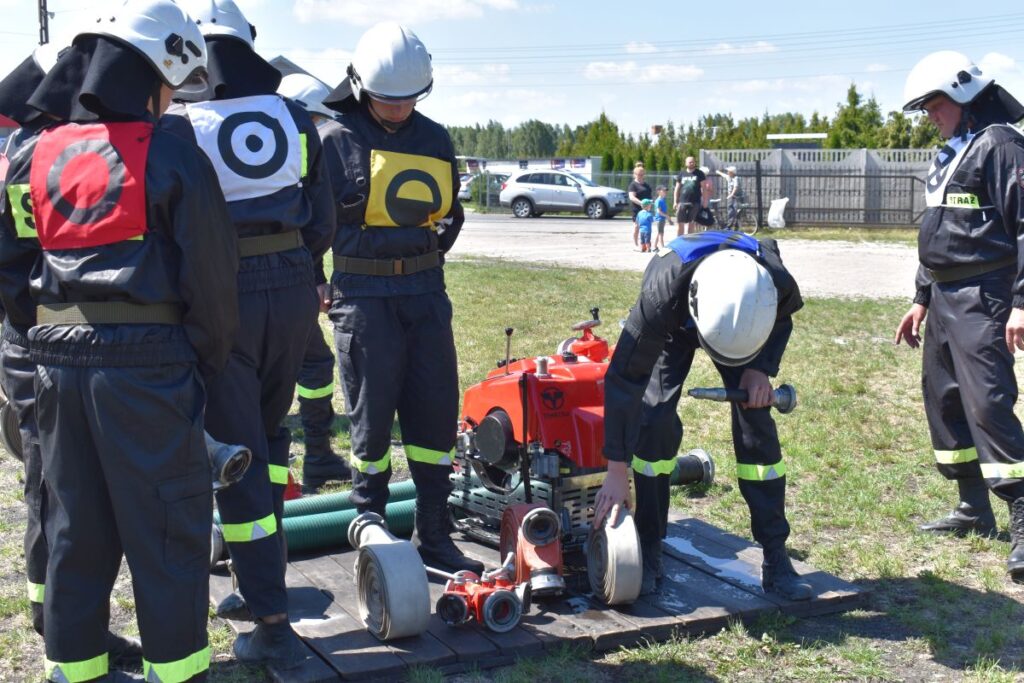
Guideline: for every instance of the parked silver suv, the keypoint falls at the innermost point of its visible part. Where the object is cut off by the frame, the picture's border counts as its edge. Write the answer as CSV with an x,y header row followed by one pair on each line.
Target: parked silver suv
x,y
531,193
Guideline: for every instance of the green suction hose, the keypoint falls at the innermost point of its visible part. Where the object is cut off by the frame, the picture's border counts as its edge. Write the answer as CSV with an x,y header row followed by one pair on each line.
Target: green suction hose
x,y
330,529
342,500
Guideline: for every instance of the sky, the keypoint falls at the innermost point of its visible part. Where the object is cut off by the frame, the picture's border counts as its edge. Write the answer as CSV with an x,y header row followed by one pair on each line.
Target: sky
x,y
642,64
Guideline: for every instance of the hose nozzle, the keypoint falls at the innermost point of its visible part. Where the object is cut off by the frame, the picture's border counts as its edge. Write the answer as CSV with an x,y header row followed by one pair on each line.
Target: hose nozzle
x,y
783,398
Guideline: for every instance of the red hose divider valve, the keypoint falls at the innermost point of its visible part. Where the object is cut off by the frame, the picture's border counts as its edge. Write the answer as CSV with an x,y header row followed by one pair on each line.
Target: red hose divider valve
x,y
533,533
491,600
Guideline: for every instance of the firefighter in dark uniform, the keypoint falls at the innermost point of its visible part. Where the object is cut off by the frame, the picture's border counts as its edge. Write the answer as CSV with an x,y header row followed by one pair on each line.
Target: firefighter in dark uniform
x,y
136,298
396,185
316,376
970,284
268,159
730,295
18,371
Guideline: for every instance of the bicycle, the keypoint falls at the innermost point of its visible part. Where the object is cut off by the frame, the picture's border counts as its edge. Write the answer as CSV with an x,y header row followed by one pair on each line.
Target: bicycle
x,y
742,222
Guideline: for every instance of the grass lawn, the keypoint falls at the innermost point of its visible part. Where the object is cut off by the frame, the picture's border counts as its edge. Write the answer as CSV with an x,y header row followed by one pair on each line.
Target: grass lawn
x,y
860,479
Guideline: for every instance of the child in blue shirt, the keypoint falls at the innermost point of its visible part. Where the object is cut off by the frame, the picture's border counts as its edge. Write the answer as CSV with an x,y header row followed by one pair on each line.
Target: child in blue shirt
x,y
645,221
660,217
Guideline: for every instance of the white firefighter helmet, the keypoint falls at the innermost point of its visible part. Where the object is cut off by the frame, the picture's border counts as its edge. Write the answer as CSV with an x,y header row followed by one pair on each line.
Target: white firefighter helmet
x,y
733,301
218,18
391,63
307,92
163,34
944,72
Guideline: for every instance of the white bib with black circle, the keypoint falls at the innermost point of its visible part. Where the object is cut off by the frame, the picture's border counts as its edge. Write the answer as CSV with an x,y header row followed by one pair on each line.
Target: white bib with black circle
x,y
253,143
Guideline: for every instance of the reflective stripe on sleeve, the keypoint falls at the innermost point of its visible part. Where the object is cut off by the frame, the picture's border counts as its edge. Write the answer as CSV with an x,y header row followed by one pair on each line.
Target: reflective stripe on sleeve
x,y
278,474
178,671
76,672
652,468
306,392
957,457
428,456
760,472
373,466
250,531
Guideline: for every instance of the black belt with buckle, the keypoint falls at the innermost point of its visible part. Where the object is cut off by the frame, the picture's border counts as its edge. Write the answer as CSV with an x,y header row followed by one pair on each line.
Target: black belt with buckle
x,y
969,270
386,267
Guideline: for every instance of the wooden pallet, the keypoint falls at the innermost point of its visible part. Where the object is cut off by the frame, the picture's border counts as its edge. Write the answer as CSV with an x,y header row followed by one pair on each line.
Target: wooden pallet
x,y
712,577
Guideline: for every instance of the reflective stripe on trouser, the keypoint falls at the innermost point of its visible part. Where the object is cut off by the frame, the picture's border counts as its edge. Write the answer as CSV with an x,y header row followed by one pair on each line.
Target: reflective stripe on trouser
x,y
140,485
75,672
653,468
659,435
17,374
247,404
397,354
177,671
316,392
969,385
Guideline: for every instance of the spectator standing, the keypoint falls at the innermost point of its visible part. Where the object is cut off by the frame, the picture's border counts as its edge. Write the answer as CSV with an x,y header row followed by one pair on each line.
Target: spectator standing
x,y
644,222
686,197
660,216
733,196
638,191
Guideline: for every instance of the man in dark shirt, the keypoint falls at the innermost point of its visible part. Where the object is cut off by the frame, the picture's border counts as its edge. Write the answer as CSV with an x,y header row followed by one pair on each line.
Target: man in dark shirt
x,y
687,196
730,295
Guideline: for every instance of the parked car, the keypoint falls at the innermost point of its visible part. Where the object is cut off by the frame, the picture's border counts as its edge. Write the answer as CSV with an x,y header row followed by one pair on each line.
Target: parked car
x,y
531,193
469,189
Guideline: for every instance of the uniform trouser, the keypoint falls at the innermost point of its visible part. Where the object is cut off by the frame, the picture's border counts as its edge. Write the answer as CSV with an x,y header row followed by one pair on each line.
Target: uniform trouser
x,y
759,467
19,385
316,389
969,386
398,354
126,470
247,404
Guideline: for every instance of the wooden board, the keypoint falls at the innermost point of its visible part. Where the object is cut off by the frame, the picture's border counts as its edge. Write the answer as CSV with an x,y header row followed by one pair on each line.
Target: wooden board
x,y
711,577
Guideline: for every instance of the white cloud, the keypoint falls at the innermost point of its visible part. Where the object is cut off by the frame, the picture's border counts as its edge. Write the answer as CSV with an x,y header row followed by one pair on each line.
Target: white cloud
x,y
1007,71
876,68
759,47
509,107
639,48
408,12
641,73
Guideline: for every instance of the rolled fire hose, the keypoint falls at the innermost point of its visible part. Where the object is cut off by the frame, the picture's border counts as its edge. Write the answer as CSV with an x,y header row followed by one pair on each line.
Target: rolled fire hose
x,y
614,560
391,583
342,500
324,530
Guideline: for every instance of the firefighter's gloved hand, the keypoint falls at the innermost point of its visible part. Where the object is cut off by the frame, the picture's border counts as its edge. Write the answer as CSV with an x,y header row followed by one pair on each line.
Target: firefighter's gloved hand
x,y
614,492
758,388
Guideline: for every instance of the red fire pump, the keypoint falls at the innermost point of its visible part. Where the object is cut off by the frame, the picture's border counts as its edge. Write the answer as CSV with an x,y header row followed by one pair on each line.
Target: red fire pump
x,y
529,463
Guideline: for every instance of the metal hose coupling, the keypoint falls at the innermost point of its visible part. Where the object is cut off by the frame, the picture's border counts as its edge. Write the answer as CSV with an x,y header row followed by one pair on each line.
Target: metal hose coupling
x,y
614,560
391,583
228,462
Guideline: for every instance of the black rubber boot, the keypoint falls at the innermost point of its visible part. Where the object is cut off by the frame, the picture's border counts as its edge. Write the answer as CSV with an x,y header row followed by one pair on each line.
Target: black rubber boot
x,y
321,465
274,644
1015,563
123,652
779,577
653,566
973,514
233,607
123,677
432,538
